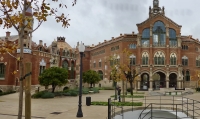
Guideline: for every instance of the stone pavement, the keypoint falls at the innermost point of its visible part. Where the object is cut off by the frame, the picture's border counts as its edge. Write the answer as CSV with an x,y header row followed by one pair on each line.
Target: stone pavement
x,y
66,106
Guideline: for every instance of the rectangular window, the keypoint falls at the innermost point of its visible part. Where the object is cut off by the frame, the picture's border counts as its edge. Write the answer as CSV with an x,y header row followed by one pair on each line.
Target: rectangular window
x,y
2,70
42,68
94,65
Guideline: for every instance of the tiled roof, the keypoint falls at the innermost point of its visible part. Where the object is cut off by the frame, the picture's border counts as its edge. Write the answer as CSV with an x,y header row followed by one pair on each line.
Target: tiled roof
x,y
10,38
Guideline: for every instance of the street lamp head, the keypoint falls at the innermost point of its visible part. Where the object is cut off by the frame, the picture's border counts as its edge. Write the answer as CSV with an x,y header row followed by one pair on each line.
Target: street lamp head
x,y
81,47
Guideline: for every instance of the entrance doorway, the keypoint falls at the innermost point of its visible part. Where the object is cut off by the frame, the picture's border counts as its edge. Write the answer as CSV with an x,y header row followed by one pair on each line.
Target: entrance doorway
x,y
172,80
159,81
144,81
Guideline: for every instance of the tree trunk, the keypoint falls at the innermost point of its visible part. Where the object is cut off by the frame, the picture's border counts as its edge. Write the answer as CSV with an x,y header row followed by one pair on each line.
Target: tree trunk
x,y
90,85
131,84
53,89
123,98
21,67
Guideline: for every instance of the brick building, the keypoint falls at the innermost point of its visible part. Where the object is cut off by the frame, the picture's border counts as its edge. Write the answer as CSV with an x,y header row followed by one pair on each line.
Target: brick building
x,y
58,54
157,48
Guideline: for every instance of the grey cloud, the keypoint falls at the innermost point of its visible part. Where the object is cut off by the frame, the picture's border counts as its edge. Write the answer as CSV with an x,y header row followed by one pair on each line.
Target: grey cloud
x,y
92,21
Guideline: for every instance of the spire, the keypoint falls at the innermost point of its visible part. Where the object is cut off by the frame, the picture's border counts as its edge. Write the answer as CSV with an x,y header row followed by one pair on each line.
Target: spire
x,y
156,9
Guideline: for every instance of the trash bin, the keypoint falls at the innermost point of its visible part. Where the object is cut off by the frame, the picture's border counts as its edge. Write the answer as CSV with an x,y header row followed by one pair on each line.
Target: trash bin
x,y
88,101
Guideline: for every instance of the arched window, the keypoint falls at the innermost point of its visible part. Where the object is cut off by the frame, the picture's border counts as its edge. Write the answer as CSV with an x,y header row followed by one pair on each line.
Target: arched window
x,y
172,37
67,54
65,64
187,76
100,63
145,37
172,59
145,58
159,34
198,61
100,74
64,52
132,59
2,70
159,58
184,61
72,76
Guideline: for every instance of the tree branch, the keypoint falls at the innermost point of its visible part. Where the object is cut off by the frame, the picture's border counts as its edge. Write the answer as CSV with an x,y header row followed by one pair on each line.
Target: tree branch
x,y
6,12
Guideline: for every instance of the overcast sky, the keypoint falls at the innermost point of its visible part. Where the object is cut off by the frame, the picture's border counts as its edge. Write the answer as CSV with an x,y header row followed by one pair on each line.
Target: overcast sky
x,y
93,21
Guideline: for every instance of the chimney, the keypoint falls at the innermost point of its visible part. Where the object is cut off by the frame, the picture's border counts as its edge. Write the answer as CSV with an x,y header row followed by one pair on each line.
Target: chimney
x,y
99,42
120,34
41,42
7,34
45,44
104,40
112,38
133,32
92,44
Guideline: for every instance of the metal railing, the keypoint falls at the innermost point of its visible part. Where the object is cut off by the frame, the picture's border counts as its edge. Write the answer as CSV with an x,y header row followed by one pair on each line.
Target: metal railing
x,y
174,104
159,44
112,107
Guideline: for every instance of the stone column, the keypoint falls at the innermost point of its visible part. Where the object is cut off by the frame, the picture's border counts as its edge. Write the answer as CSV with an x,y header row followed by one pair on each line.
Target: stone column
x,y
138,84
167,78
167,83
180,79
151,85
151,80
151,31
167,30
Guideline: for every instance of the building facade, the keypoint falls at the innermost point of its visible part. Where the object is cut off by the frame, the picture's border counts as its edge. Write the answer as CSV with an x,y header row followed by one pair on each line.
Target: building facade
x,y
157,48
40,56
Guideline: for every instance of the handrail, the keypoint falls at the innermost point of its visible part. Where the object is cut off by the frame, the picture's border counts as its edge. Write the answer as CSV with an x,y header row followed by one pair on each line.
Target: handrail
x,y
188,106
143,111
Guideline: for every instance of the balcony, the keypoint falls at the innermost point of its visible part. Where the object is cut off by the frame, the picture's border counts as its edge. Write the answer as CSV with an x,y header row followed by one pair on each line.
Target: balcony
x,y
173,44
145,45
159,44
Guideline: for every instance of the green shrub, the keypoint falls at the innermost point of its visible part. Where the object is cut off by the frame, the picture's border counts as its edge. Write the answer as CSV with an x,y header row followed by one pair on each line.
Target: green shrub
x,y
96,90
67,94
48,95
74,93
85,90
38,94
6,93
58,93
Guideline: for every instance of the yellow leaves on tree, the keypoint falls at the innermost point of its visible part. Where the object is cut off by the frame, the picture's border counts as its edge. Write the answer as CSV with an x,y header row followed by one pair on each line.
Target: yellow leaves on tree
x,y
7,47
13,10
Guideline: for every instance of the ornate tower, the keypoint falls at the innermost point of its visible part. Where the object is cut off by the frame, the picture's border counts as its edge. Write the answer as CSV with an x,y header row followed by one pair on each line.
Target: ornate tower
x,y
156,9
28,30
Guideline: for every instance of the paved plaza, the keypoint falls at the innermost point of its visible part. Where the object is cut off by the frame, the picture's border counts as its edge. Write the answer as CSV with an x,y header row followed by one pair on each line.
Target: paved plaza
x,y
66,106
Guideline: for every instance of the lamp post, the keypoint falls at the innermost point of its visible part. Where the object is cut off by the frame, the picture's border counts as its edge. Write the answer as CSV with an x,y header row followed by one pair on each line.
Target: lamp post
x,y
81,50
